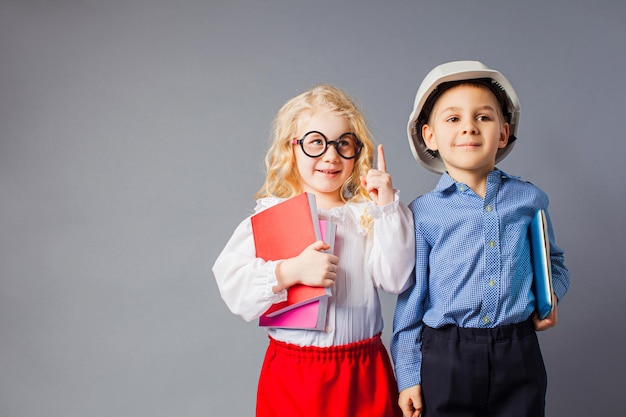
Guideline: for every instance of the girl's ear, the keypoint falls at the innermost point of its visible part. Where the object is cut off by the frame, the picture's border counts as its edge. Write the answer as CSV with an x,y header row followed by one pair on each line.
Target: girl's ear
x,y
504,136
429,137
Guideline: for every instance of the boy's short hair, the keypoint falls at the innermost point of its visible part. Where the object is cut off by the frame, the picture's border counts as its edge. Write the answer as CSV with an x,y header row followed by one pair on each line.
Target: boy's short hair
x,y
444,77
492,86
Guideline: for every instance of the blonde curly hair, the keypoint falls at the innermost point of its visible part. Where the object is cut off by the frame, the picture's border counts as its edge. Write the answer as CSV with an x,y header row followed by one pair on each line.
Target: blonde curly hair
x,y
282,179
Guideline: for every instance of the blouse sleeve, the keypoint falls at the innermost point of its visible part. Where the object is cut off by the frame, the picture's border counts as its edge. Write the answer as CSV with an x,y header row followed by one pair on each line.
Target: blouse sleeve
x,y
245,282
392,256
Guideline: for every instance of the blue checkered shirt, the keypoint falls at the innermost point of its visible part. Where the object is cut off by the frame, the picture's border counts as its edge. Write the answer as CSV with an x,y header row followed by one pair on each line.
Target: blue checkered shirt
x,y
472,263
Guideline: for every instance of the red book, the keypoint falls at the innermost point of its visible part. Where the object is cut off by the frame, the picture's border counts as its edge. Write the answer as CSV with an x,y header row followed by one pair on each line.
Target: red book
x,y
283,231
312,315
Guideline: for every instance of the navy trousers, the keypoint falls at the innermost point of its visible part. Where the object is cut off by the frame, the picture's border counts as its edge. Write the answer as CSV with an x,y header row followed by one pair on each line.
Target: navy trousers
x,y
495,372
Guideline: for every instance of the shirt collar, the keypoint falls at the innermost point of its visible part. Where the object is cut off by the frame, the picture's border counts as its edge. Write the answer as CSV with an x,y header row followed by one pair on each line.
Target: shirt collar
x,y
446,182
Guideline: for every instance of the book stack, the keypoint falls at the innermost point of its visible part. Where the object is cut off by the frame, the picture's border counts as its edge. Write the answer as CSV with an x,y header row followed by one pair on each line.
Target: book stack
x,y
284,231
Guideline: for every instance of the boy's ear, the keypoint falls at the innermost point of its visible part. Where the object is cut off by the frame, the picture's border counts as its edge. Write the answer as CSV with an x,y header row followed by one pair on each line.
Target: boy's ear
x,y
504,136
428,135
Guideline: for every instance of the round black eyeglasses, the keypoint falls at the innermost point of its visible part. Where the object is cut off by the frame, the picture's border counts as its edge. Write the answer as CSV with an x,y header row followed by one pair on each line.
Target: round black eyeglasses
x,y
314,144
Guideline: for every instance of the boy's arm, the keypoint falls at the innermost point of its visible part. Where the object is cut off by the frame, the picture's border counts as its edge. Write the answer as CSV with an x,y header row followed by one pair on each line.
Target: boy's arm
x,y
560,273
406,339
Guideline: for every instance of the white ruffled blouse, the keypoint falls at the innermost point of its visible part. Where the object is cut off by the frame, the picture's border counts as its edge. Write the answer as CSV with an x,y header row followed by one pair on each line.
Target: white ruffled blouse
x,y
383,259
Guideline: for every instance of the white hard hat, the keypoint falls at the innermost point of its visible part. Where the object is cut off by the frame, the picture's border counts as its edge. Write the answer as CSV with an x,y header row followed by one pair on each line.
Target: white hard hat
x,y
428,91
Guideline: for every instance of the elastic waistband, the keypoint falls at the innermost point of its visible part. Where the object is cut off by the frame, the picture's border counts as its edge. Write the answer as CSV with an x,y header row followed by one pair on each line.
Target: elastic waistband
x,y
507,332
351,349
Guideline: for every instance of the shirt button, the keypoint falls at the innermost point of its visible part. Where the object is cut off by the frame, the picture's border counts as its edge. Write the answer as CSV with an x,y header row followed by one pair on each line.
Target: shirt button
x,y
329,329
492,282
492,243
486,320
488,208
462,188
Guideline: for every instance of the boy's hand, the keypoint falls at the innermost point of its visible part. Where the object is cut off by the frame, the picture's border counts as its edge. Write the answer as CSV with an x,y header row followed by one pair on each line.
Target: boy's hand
x,y
550,320
410,401
377,182
312,267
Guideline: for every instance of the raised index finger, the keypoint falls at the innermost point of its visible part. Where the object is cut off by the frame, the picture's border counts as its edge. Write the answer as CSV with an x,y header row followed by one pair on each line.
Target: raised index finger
x,y
382,165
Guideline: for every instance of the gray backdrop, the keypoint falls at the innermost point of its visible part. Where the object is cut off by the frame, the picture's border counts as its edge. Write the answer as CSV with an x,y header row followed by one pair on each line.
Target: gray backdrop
x,y
132,136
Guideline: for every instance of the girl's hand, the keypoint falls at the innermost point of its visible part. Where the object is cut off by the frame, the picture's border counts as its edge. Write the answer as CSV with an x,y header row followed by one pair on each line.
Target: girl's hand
x,y
377,182
312,267
550,320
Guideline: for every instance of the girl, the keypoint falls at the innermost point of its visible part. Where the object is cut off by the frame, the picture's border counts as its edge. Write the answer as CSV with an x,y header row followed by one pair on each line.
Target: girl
x,y
321,145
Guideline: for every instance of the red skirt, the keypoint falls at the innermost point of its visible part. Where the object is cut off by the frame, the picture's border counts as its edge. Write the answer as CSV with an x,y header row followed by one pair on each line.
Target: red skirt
x,y
350,380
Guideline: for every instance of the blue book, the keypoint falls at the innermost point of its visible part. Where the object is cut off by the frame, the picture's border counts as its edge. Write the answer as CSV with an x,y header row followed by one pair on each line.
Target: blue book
x,y
540,254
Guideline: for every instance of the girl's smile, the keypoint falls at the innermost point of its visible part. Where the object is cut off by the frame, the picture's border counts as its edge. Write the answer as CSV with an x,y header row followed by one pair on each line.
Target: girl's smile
x,y
329,172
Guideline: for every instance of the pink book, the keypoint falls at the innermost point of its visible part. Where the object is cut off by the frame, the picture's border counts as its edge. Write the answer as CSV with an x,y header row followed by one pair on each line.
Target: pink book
x,y
311,316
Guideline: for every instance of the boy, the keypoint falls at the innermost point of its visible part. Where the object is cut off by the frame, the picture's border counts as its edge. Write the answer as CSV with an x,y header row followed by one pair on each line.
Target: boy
x,y
464,340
